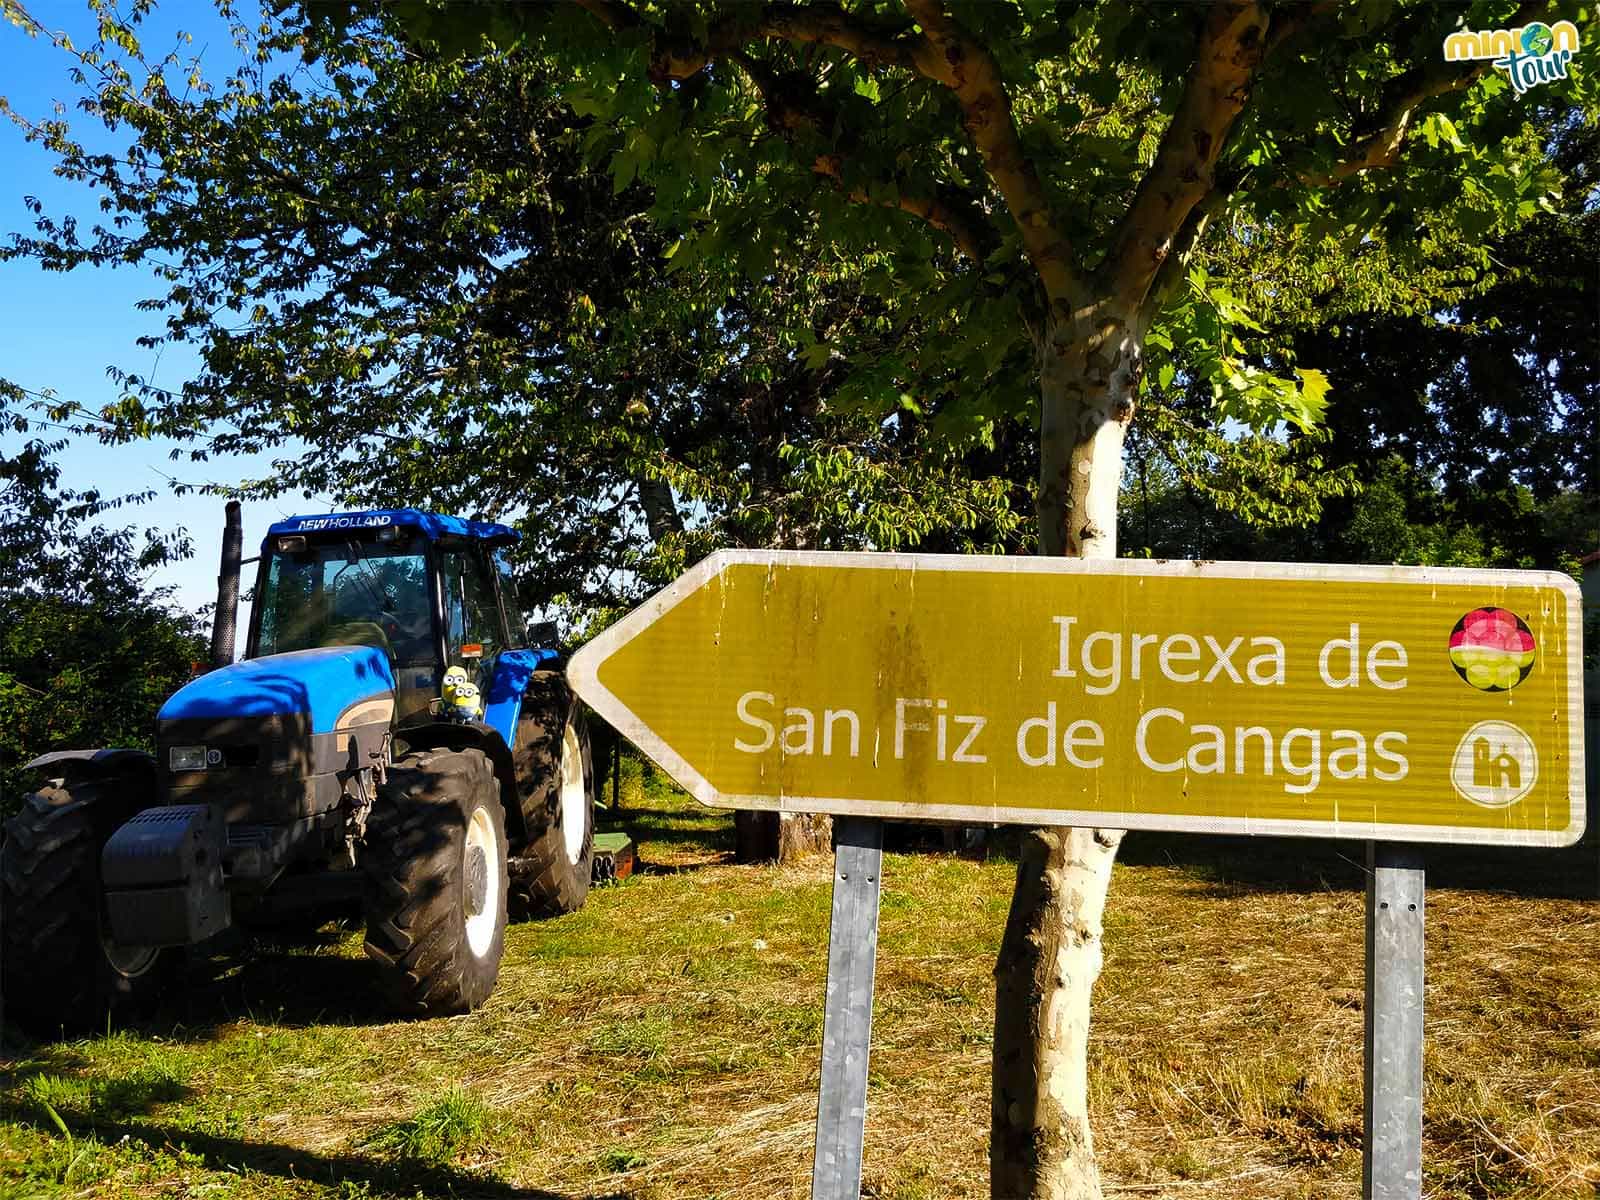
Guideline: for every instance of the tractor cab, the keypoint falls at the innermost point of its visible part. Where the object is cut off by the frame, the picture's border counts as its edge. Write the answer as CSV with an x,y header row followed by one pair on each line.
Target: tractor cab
x,y
432,592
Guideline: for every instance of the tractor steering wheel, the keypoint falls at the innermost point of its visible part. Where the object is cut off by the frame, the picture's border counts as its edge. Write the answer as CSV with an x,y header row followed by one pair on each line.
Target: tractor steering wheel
x,y
361,633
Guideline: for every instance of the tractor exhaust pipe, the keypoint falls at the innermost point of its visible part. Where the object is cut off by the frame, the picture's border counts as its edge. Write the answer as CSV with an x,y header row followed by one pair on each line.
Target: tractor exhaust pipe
x,y
222,628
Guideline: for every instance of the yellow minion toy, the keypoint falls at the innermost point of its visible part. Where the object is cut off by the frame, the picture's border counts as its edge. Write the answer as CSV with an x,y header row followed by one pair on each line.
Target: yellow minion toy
x,y
465,703
461,700
453,678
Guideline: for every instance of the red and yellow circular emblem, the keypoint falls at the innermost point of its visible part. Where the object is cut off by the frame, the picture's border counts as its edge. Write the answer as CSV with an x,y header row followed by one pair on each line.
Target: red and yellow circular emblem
x,y
1492,649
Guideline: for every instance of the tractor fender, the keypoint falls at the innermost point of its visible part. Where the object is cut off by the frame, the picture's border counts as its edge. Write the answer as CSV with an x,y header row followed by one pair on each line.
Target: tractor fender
x,y
514,670
136,766
475,735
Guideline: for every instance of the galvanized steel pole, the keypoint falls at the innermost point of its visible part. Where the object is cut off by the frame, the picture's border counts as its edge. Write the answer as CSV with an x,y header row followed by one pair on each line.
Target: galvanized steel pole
x,y
1392,1150
847,1016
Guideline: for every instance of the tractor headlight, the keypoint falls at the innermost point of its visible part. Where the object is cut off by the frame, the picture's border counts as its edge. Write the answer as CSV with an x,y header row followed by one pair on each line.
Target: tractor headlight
x,y
187,758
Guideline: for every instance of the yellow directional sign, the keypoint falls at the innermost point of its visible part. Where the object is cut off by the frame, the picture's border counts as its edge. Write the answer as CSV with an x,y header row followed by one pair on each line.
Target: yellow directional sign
x,y
1383,703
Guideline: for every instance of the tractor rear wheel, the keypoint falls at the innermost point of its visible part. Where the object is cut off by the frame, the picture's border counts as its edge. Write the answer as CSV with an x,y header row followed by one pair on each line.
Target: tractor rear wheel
x,y
59,968
555,776
436,882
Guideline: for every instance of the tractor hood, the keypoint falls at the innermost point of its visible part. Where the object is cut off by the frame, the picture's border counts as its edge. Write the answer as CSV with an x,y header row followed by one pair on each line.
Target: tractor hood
x,y
320,685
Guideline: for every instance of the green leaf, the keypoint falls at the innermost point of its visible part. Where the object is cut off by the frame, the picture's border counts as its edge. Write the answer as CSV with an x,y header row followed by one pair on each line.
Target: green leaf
x,y
816,355
1314,389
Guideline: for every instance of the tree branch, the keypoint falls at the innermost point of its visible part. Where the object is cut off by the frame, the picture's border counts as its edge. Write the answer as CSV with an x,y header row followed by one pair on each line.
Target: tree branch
x,y
1176,264
944,53
792,106
939,210
949,55
1380,145
1230,48
877,44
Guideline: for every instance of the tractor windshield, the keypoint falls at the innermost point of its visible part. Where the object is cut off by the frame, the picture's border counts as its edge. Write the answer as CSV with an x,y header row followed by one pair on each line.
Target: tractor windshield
x,y
367,592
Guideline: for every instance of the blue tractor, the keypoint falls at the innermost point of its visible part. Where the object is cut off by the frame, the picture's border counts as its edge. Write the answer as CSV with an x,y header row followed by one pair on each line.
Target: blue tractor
x,y
389,740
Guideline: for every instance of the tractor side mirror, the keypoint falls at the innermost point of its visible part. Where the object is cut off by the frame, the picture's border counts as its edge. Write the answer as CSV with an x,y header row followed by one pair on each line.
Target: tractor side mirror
x,y
543,635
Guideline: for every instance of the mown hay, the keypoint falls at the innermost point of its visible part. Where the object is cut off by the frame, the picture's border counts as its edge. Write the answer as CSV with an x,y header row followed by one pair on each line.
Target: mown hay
x,y
664,1042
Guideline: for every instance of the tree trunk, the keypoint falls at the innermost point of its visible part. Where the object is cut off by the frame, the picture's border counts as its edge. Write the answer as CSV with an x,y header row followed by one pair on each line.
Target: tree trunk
x,y
1089,377
775,837
661,515
1040,1145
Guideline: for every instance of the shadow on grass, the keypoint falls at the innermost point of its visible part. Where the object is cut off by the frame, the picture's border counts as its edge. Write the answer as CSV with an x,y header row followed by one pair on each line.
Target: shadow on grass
x,y
376,1176
53,1080
266,984
653,868
55,1084
1231,864
292,983
269,982
698,826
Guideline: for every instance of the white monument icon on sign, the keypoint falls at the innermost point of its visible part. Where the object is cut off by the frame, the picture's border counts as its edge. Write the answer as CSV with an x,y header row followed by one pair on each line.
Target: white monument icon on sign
x,y
1495,764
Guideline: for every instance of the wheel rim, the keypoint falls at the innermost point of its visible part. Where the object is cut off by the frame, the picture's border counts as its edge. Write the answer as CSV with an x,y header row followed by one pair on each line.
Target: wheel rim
x,y
129,961
574,795
480,869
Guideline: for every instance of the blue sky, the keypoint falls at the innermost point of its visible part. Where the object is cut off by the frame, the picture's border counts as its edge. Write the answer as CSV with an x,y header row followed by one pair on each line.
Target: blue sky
x,y
61,331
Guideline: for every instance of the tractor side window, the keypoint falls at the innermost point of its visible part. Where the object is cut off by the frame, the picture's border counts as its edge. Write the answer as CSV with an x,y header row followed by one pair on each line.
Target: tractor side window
x,y
472,619
290,618
508,595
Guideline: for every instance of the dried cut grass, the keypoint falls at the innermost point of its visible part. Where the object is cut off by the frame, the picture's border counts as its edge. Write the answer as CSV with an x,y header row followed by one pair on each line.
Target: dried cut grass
x,y
664,1042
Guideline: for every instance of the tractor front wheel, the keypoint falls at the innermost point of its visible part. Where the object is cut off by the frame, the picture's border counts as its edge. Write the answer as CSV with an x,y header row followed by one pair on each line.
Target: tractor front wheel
x,y
436,882
59,969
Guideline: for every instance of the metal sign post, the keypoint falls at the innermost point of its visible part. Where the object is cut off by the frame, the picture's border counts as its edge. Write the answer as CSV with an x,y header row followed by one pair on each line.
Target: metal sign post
x,y
1391,1161
847,1018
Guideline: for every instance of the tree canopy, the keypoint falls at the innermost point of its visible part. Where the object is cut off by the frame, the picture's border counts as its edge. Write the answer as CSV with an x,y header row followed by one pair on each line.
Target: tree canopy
x,y
412,268
1027,161
843,274
1467,427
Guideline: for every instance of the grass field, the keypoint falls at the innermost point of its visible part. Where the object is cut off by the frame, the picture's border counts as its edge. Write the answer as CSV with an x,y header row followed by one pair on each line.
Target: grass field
x,y
664,1042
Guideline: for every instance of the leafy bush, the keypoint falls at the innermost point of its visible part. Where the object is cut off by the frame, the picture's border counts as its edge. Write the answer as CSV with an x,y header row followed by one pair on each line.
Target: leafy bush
x,y
88,650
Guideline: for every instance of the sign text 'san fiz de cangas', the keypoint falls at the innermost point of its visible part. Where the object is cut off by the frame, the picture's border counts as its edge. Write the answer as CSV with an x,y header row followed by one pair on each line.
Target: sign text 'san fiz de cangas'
x,y
1106,661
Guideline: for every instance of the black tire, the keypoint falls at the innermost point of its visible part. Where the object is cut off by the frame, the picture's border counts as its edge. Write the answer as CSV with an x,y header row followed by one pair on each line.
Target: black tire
x,y
546,878
59,971
419,900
